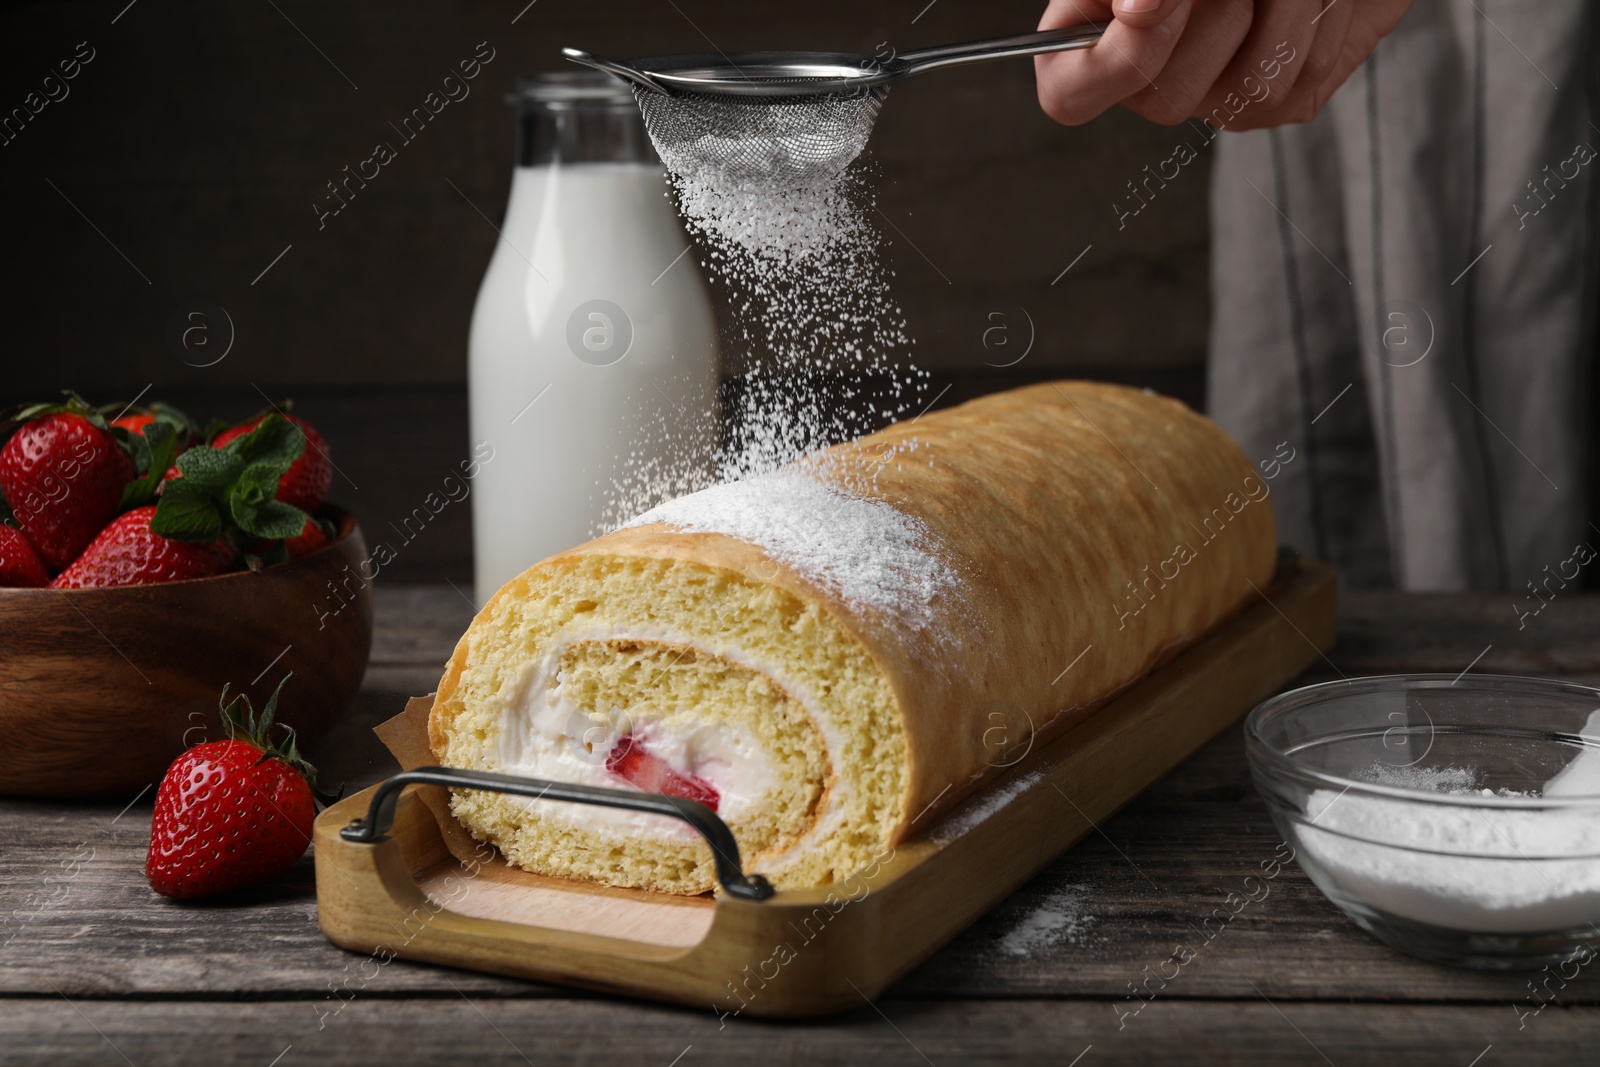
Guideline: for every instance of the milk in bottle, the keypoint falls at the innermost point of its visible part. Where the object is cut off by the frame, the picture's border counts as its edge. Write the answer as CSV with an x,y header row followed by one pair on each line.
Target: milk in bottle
x,y
593,339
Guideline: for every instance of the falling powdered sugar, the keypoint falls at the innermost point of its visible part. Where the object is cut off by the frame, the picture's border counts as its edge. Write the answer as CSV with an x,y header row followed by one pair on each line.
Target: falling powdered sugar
x,y
816,346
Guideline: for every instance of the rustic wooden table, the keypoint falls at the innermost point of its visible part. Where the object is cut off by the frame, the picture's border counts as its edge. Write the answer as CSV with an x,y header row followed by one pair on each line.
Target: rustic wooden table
x,y
97,969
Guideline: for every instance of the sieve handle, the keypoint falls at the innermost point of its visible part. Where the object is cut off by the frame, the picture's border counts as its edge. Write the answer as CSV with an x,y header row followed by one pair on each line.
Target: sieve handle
x,y
616,68
1018,44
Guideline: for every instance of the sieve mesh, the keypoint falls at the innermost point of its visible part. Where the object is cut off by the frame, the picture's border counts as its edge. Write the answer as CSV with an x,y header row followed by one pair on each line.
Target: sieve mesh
x,y
788,140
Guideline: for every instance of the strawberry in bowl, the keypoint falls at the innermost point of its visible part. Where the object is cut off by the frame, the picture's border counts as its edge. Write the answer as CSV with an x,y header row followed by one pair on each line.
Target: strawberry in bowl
x,y
143,569
20,565
129,552
63,475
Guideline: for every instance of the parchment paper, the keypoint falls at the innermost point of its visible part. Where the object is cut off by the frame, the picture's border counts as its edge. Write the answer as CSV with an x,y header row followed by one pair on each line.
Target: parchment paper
x,y
406,738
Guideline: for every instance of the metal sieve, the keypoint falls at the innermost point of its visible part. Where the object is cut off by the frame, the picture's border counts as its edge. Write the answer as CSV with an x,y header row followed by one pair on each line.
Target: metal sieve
x,y
789,117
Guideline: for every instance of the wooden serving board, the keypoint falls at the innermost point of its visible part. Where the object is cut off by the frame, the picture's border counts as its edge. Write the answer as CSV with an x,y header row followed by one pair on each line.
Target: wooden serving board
x,y
813,951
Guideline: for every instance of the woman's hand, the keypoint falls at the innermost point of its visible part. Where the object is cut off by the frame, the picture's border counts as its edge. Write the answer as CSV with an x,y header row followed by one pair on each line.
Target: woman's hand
x,y
1237,63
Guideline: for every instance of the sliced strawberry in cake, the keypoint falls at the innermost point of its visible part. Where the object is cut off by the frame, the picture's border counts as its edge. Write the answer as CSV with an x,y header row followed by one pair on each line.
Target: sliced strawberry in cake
x,y
631,761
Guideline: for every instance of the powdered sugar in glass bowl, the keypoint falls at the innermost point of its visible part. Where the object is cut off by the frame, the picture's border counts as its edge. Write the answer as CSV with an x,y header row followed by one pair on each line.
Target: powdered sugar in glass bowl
x,y
1456,819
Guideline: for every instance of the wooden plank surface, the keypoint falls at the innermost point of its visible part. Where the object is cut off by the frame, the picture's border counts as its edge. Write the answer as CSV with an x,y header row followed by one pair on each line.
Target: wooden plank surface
x,y
1087,926
464,1028
1054,961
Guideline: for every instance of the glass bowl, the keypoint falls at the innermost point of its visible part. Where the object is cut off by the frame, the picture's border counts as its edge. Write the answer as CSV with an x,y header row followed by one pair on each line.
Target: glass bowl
x,y
1454,818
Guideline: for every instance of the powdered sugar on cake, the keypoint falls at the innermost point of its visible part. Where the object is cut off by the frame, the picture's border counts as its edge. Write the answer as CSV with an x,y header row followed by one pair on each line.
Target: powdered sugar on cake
x,y
863,550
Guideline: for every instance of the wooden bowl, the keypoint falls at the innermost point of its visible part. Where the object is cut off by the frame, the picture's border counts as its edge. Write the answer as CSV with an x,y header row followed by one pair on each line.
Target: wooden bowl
x,y
101,688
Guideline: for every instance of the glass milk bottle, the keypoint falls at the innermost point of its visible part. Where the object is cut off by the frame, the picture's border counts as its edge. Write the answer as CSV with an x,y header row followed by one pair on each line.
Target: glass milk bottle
x,y
593,345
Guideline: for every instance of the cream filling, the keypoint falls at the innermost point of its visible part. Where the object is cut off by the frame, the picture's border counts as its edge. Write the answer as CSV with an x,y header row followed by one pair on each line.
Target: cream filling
x,y
544,734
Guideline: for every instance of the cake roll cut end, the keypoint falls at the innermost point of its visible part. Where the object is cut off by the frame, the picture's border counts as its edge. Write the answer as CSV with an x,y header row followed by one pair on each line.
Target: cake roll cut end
x,y
676,677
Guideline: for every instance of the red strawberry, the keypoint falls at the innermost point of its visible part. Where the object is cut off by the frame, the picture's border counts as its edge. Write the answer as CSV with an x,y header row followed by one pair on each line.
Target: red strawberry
x,y
629,760
63,477
307,541
307,481
20,565
136,422
128,553
230,814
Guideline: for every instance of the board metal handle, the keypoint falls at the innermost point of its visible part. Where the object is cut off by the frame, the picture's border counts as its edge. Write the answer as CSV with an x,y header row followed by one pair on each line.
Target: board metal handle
x,y
724,849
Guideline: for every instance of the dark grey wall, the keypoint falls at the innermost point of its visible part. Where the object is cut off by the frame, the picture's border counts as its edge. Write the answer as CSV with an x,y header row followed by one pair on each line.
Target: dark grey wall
x,y
187,155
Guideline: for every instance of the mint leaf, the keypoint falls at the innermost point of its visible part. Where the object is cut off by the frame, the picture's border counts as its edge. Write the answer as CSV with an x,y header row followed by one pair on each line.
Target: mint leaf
x,y
186,513
271,519
210,470
274,440
260,480
157,447
253,508
229,492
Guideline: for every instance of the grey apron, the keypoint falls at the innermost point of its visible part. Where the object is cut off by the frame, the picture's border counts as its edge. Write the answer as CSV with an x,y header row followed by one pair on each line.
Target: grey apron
x,y
1401,301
